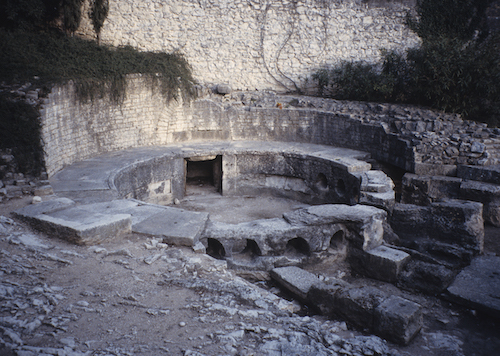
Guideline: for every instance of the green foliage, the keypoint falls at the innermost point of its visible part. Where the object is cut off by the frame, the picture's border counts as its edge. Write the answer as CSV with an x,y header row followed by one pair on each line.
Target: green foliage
x,y
25,14
72,14
457,19
456,69
98,13
20,131
354,81
98,71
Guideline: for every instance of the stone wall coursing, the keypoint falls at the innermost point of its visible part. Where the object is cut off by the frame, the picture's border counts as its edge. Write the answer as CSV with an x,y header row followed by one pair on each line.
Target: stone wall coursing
x,y
258,44
412,138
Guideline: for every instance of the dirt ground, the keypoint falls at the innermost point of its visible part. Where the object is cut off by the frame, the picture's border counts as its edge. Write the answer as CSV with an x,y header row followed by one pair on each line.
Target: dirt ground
x,y
134,295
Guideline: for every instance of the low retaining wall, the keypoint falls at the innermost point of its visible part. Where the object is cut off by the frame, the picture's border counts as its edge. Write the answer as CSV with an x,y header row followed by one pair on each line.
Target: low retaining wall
x,y
414,139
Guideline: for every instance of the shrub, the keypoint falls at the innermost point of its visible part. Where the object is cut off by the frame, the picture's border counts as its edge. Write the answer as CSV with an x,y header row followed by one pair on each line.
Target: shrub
x,y
456,69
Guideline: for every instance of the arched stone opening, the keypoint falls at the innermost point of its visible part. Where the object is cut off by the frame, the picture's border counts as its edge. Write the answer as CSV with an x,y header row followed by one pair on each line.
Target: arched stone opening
x,y
252,249
215,249
338,240
298,246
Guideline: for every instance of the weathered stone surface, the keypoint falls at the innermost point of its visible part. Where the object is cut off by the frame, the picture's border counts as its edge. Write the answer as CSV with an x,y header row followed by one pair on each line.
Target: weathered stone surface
x,y
456,225
75,224
174,226
486,193
425,277
46,207
322,296
487,174
223,89
366,221
478,285
423,190
357,305
295,280
383,263
398,319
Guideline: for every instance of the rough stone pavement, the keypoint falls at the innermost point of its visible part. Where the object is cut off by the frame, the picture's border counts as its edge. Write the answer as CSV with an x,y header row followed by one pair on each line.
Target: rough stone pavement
x,y
137,296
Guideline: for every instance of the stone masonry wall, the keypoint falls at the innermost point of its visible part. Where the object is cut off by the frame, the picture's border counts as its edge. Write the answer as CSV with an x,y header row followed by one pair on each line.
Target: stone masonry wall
x,y
417,140
258,44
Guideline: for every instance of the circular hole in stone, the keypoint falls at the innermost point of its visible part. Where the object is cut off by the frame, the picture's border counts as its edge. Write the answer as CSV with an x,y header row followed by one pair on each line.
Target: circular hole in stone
x,y
321,182
298,246
337,240
215,249
340,188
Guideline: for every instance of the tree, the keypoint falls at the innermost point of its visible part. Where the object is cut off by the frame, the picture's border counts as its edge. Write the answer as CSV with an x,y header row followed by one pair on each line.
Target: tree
x,y
98,13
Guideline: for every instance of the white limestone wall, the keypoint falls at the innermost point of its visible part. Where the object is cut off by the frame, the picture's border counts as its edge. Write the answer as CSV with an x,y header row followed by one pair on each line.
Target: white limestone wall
x,y
258,44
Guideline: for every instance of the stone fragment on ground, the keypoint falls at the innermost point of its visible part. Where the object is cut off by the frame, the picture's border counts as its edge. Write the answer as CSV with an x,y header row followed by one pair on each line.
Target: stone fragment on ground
x,y
478,285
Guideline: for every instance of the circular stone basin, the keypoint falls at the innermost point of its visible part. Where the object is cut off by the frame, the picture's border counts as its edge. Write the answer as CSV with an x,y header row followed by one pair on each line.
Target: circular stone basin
x,y
235,210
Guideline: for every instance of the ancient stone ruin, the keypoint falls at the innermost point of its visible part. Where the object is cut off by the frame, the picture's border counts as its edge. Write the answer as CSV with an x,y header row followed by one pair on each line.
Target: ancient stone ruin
x,y
401,194
398,194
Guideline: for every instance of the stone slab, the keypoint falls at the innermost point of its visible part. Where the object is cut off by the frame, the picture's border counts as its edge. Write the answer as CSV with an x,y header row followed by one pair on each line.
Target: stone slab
x,y
398,319
81,226
488,174
295,280
45,207
366,220
175,226
139,211
478,285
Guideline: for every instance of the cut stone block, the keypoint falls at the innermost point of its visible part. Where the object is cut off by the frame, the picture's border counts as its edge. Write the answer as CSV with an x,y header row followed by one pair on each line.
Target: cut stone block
x,y
365,221
80,226
488,174
357,305
295,280
425,277
175,226
456,223
44,190
322,296
398,320
422,190
383,263
486,193
46,207
478,285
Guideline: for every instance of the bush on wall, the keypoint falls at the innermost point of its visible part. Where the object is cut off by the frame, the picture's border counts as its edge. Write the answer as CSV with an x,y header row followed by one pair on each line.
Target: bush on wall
x,y
456,68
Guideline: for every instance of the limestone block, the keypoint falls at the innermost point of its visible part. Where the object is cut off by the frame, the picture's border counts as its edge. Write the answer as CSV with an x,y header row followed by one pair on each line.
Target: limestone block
x,y
486,193
487,174
59,218
44,190
425,277
365,222
398,320
357,305
383,263
174,226
323,296
458,224
223,89
478,285
422,190
295,280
